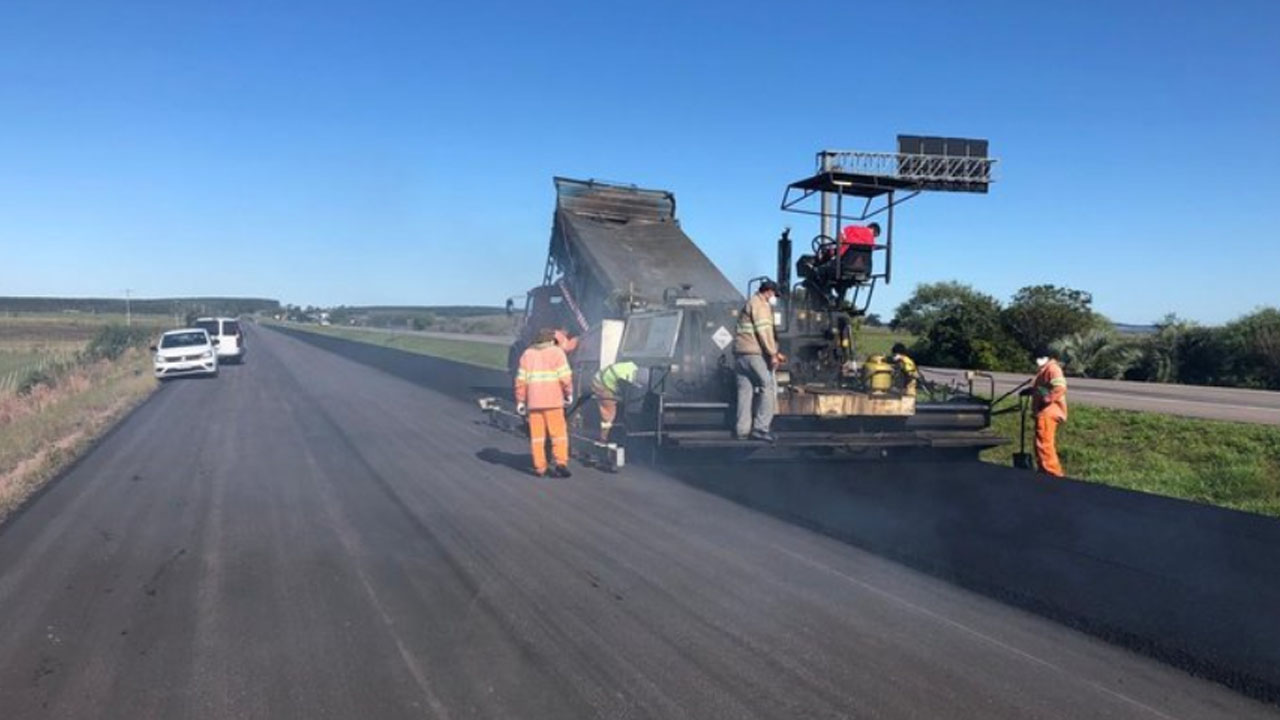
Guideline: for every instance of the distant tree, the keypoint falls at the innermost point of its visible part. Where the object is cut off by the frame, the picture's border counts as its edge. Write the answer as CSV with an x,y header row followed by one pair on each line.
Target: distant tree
x,y
958,327
1097,353
1040,315
1206,355
931,302
873,320
1256,339
340,315
1158,358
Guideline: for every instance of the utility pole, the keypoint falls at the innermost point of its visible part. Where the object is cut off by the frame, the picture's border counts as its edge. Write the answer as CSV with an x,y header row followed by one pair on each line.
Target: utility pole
x,y
128,311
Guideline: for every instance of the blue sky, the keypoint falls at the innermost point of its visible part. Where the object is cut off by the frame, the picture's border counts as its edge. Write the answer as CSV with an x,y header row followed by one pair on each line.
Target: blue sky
x,y
402,153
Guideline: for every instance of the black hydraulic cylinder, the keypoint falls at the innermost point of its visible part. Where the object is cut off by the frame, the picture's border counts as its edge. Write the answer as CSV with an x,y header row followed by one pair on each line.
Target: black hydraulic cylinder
x,y
784,277
784,263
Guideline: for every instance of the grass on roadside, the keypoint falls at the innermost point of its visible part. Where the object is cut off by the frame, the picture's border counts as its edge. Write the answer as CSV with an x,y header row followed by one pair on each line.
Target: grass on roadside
x,y
39,345
65,330
1235,465
17,364
42,431
880,340
474,353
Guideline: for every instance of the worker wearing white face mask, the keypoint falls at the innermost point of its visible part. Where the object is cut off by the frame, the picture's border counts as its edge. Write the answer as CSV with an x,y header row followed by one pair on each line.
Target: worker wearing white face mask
x,y
1049,402
756,357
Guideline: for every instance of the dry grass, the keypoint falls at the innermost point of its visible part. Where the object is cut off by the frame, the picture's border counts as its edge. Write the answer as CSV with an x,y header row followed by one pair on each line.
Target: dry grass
x,y
40,433
64,330
33,341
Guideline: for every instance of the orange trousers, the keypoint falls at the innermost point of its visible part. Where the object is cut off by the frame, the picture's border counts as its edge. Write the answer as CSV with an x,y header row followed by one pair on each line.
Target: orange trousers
x,y
544,423
1046,444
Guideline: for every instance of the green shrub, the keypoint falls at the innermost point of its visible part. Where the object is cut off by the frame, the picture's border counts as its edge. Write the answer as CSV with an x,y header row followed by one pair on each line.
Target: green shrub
x,y
112,340
37,376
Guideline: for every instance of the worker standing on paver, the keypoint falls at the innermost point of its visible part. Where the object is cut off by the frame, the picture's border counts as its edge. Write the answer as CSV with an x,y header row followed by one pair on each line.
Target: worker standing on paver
x,y
756,357
1049,402
907,367
607,388
544,386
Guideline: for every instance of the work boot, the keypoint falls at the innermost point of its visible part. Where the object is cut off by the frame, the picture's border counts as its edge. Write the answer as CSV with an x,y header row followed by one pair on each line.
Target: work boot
x,y
562,471
763,436
538,473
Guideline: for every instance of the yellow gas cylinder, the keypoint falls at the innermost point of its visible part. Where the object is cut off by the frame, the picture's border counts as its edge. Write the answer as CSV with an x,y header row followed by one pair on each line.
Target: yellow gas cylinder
x,y
878,374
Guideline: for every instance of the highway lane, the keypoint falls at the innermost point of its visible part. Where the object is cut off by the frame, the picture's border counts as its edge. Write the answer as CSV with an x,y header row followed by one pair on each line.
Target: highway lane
x,y
306,537
463,337
1213,403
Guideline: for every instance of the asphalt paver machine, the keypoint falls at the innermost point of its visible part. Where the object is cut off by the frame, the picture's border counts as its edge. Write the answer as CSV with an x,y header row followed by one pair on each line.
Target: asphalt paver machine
x,y
623,277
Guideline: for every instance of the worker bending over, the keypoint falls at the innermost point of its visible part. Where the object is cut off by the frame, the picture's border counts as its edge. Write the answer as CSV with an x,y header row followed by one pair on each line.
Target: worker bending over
x,y
756,357
907,367
608,390
544,386
1049,402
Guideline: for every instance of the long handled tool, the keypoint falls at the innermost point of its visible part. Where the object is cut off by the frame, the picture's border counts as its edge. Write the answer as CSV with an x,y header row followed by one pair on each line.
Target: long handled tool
x,y
1022,458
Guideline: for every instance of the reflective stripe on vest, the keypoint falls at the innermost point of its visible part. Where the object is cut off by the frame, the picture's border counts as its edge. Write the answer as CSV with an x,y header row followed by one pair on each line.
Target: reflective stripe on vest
x,y
537,376
608,377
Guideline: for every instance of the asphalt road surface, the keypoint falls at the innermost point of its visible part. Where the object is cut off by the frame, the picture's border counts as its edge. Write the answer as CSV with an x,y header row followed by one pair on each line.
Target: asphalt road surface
x,y
305,537
1213,403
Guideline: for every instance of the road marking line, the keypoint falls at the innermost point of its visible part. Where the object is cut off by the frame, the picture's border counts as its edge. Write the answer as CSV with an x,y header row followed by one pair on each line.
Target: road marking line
x,y
1151,398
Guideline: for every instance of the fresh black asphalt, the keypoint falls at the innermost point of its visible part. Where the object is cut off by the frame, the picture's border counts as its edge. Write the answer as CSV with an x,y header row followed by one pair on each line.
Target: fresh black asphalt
x,y
307,537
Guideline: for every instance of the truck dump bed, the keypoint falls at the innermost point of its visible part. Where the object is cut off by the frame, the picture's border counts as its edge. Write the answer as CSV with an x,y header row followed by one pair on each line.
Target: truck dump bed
x,y
628,242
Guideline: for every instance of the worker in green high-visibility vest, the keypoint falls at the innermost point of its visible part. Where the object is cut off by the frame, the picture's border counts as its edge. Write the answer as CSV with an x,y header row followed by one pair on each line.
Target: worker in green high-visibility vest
x,y
607,388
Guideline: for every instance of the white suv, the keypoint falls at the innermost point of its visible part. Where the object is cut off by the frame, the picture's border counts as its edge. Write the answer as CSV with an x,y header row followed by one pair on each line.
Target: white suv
x,y
185,352
229,337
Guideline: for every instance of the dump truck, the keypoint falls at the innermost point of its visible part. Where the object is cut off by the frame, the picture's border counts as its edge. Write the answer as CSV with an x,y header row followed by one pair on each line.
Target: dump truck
x,y
624,278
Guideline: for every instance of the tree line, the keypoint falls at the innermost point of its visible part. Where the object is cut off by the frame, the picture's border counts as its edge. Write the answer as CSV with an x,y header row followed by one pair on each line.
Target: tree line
x,y
958,326
142,306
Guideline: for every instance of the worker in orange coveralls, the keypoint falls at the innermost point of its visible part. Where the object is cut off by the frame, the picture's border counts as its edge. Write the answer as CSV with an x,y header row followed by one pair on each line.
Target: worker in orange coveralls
x,y
1049,402
544,386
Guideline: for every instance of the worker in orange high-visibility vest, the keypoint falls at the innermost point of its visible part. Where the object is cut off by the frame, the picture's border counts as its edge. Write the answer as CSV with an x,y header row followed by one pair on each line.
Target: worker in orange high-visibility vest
x,y
544,386
1049,402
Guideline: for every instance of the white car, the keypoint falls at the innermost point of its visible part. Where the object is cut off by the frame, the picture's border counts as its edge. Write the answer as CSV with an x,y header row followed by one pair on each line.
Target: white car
x,y
229,336
189,351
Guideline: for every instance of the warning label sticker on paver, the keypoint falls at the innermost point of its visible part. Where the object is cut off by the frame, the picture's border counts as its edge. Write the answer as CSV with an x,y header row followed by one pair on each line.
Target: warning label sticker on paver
x,y
722,337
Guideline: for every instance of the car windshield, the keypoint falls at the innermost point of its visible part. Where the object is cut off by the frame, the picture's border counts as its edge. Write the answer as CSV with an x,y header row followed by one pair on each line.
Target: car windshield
x,y
184,339
230,327
209,326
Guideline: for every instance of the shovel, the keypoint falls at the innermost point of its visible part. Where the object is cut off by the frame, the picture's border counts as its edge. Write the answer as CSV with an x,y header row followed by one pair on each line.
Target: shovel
x,y
1022,459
